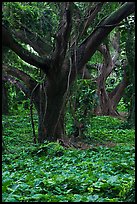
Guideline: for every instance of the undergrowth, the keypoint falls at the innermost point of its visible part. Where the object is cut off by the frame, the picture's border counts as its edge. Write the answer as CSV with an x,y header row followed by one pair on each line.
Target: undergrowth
x,y
50,173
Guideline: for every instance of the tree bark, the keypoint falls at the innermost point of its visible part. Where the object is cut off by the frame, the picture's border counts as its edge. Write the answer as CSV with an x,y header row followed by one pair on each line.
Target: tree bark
x,y
49,105
51,126
106,105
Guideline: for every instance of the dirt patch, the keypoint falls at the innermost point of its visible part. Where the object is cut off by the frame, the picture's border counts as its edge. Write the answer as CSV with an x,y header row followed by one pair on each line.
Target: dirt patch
x,y
70,143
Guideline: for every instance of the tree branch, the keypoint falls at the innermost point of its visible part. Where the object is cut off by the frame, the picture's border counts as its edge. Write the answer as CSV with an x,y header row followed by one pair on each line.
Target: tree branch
x,y
118,91
116,45
9,41
34,40
83,23
63,34
28,94
107,65
90,15
116,94
30,83
84,73
90,45
109,61
17,83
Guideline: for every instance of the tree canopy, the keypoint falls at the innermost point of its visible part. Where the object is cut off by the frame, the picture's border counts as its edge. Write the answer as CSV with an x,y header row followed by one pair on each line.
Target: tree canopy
x,y
56,40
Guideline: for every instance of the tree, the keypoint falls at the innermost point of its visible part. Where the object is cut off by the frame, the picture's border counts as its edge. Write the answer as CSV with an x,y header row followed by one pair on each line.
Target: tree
x,y
71,47
108,101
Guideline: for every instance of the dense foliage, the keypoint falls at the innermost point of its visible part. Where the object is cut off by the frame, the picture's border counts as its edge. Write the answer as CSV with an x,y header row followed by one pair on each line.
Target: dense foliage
x,y
68,67
51,173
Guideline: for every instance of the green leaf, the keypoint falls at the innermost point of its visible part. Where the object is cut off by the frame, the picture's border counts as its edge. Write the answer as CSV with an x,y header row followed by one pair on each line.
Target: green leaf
x,y
112,179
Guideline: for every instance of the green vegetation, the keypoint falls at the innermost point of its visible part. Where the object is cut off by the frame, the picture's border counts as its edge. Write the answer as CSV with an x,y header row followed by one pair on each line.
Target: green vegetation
x,y
110,130
68,102
51,173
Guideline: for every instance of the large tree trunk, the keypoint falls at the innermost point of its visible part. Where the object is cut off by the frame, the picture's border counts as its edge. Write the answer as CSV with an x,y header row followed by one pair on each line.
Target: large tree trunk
x,y
49,104
50,126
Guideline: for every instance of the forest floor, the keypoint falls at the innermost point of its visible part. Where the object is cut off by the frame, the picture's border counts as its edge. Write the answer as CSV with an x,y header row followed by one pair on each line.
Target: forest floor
x,y
100,169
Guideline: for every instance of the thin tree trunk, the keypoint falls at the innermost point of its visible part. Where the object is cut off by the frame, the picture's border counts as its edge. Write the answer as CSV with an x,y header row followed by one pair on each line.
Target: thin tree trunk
x,y
5,110
106,105
131,117
109,101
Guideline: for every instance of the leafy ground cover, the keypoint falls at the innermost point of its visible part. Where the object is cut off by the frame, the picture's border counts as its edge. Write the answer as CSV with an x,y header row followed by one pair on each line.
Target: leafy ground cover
x,y
50,173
